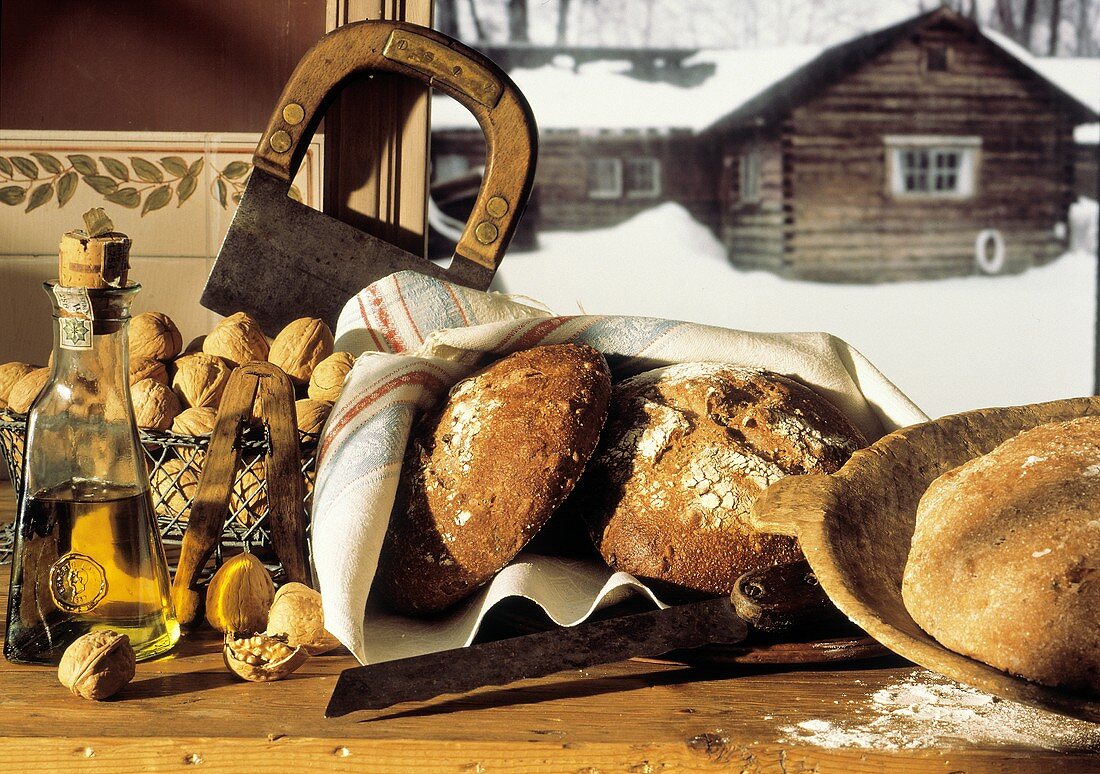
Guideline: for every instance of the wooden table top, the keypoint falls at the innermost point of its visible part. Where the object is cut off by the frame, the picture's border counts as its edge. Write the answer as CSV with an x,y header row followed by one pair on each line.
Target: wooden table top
x,y
186,712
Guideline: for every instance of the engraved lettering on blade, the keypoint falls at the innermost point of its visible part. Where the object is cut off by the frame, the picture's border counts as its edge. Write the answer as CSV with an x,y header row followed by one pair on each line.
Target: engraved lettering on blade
x,y
443,66
77,583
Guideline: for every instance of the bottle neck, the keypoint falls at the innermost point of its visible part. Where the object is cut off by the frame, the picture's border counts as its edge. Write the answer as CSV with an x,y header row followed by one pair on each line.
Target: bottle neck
x,y
91,349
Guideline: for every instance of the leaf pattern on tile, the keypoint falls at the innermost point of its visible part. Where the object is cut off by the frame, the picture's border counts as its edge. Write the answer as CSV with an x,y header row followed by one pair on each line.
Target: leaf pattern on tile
x,y
39,176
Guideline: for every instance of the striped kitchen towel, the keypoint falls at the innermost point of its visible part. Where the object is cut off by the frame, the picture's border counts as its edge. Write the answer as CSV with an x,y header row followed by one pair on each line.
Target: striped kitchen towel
x,y
414,338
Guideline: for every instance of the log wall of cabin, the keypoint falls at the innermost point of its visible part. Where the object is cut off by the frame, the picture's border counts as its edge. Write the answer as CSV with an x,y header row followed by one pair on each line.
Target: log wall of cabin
x,y
754,231
561,178
843,221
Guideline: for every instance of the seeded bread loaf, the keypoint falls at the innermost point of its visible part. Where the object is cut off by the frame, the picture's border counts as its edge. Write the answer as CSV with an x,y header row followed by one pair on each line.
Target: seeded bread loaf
x,y
1004,565
686,451
483,473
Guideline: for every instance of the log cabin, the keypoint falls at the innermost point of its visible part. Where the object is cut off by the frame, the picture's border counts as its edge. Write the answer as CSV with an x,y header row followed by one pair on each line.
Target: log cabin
x,y
927,149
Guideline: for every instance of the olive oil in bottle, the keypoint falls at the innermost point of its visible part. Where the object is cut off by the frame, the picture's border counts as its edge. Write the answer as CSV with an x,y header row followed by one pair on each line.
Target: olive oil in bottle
x,y
87,553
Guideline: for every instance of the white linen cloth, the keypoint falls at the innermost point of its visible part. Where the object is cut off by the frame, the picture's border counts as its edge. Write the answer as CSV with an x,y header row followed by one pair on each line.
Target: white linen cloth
x,y
415,337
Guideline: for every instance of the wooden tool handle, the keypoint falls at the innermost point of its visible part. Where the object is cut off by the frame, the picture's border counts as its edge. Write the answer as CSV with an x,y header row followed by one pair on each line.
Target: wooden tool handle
x,y
211,504
285,513
435,59
781,597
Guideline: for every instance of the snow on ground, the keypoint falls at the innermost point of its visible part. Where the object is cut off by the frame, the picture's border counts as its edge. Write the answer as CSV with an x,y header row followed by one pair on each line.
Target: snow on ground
x,y
951,345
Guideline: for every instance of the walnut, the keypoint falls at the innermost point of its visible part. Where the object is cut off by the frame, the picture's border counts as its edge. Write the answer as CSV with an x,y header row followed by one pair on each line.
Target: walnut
x,y
200,379
311,414
24,391
248,498
328,377
10,373
174,486
261,657
238,339
198,420
97,665
297,614
300,346
195,345
155,405
148,368
153,334
239,595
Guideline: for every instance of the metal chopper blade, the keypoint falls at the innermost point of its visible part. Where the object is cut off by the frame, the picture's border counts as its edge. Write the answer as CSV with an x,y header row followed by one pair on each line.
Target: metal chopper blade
x,y
651,633
281,260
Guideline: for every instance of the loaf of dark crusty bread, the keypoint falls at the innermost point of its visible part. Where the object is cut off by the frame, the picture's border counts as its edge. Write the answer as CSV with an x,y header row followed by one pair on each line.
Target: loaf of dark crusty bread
x,y
485,471
686,451
1004,565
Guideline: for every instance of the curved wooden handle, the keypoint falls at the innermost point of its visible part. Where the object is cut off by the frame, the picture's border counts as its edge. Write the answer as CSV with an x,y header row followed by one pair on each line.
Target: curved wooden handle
x,y
441,62
792,501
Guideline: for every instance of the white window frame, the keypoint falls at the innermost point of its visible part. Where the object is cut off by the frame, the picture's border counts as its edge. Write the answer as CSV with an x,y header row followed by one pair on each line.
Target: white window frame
x,y
749,176
615,167
655,175
968,150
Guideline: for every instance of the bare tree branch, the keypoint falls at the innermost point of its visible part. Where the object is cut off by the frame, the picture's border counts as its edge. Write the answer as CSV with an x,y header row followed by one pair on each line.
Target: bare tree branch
x,y
563,21
517,21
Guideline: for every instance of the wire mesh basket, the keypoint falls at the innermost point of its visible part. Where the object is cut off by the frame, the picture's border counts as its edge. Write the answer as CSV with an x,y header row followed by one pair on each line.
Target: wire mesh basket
x,y
174,462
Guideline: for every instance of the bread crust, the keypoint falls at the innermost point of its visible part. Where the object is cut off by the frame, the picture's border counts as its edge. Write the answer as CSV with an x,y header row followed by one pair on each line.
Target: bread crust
x,y
1005,559
483,473
686,451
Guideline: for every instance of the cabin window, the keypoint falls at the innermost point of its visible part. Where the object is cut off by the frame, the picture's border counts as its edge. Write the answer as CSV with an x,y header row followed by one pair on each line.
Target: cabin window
x,y
935,59
605,178
932,166
750,176
642,178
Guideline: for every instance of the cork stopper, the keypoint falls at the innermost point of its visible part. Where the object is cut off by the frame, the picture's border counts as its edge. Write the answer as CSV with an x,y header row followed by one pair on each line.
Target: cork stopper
x,y
96,256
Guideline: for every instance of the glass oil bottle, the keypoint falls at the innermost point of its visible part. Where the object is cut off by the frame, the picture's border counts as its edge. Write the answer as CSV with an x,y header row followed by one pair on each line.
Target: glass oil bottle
x,y
87,554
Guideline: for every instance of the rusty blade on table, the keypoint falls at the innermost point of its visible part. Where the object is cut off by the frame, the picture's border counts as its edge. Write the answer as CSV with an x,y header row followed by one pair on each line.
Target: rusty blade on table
x,y
588,644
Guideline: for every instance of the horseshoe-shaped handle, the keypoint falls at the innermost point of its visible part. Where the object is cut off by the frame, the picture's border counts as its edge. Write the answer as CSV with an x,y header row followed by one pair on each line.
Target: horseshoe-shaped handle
x,y
441,62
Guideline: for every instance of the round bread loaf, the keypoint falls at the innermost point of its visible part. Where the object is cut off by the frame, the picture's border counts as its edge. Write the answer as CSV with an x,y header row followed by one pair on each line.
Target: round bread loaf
x,y
1005,561
483,473
686,452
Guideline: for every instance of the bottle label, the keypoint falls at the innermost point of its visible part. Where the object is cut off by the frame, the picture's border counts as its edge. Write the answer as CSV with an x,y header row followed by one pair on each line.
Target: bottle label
x,y
77,583
74,318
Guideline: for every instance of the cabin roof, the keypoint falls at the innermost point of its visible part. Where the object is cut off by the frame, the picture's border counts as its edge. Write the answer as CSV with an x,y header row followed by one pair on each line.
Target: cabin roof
x,y
738,87
779,98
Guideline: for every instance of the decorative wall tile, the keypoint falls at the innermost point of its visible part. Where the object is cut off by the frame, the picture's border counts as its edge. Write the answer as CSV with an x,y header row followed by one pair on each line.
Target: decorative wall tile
x,y
173,193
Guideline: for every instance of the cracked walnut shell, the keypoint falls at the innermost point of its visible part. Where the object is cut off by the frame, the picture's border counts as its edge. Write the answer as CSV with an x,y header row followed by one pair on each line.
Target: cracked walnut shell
x,y
97,665
261,658
296,613
328,377
153,334
200,379
300,346
238,338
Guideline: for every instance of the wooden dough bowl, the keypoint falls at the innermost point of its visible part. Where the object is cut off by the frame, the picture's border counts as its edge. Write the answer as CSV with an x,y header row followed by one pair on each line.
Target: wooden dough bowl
x,y
855,527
